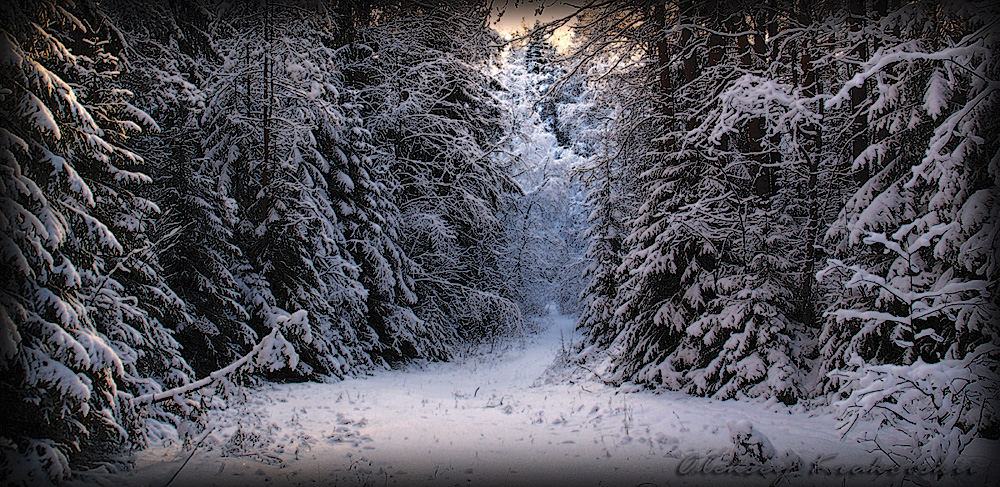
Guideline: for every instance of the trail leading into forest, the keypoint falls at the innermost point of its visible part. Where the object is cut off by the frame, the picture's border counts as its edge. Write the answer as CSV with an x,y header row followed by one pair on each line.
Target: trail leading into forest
x,y
494,417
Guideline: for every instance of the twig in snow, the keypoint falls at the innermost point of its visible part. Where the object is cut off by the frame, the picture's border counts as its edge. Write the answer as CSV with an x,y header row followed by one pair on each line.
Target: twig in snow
x,y
588,369
196,445
683,428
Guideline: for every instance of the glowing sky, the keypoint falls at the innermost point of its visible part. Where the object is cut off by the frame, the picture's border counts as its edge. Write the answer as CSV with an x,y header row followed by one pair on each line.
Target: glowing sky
x,y
519,13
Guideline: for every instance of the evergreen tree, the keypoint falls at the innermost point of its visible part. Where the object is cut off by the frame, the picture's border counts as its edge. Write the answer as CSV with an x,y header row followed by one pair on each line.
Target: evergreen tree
x,y
763,134
274,99
916,280
168,61
84,310
435,118
920,222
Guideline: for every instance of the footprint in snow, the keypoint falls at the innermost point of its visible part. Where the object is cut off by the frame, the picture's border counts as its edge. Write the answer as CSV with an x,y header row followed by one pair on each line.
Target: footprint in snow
x,y
343,434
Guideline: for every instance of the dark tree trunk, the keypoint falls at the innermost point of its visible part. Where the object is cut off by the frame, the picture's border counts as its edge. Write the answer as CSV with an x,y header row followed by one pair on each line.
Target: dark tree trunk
x,y
859,94
663,60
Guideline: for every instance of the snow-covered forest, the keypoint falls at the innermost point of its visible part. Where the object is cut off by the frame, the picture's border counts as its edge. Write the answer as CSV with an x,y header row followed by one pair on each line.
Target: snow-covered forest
x,y
784,206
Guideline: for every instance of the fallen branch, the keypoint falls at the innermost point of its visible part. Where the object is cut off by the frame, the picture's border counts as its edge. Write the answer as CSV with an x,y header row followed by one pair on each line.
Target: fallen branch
x,y
274,341
155,397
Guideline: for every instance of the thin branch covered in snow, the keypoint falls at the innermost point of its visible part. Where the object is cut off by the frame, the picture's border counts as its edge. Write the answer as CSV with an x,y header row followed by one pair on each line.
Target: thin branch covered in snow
x,y
273,352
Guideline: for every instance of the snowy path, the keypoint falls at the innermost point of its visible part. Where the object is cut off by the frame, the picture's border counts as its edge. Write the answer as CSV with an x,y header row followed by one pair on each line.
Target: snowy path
x,y
489,419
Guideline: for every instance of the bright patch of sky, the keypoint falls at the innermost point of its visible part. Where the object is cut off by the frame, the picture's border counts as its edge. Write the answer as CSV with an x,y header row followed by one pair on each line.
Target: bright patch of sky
x,y
513,16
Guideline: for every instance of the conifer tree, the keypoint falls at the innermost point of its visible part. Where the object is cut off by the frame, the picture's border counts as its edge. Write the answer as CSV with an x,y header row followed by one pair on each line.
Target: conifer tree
x,y
168,59
85,311
436,120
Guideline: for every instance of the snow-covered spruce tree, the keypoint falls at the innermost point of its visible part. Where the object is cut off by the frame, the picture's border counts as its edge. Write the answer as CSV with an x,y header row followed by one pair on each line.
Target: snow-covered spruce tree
x,y
168,57
542,61
602,176
83,307
374,221
201,256
706,300
604,253
925,210
276,145
917,242
621,131
435,119
684,219
743,342
373,237
751,340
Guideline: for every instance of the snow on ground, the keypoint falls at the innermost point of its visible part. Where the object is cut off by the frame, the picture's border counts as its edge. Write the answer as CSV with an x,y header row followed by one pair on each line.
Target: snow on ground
x,y
497,417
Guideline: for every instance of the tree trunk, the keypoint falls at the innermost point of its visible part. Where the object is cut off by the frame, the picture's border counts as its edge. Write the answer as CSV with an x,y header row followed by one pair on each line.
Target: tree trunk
x,y
859,94
760,172
268,86
685,10
881,10
814,156
663,60
716,49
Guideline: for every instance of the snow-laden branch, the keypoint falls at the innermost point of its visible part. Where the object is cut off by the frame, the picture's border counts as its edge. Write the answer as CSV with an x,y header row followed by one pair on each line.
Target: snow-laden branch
x,y
273,351
786,108
879,63
862,277
941,406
